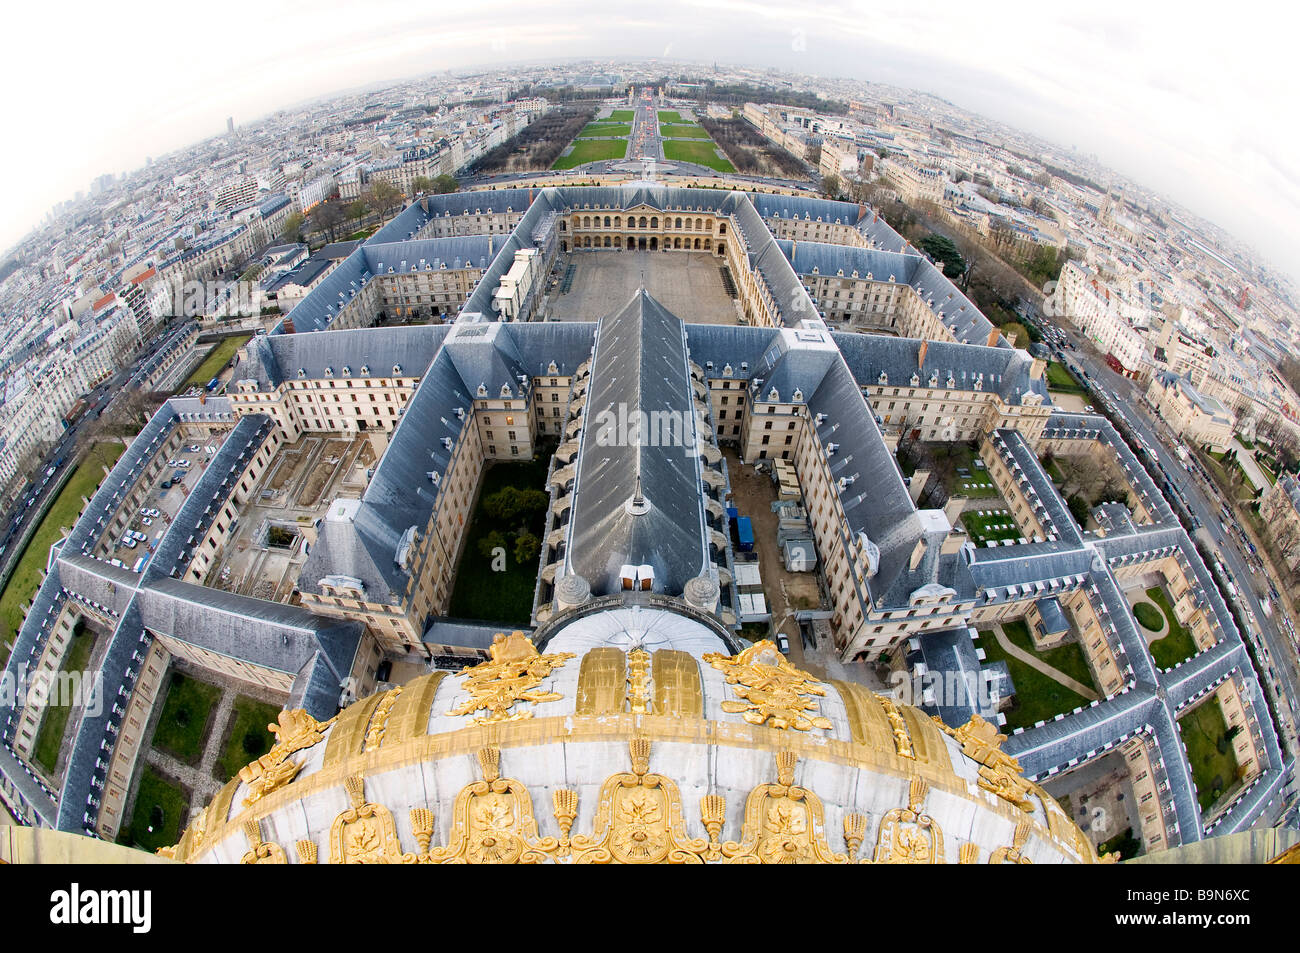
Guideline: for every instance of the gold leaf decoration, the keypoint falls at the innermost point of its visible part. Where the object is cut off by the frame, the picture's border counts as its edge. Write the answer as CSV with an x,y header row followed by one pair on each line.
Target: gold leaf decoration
x,y
855,831
379,720
772,690
306,851
365,833
639,819
493,823
902,740
638,681
294,730
908,835
1013,854
512,675
713,812
783,824
999,772
260,852
566,811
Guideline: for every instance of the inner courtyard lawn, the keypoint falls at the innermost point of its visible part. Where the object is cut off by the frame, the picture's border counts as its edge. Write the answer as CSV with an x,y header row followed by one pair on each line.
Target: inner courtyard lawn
x,y
161,809
507,596
248,738
1178,645
1038,698
1067,658
54,721
183,722
1209,753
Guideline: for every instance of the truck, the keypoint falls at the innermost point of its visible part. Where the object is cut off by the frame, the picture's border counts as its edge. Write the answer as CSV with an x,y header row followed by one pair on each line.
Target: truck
x,y
1182,452
745,534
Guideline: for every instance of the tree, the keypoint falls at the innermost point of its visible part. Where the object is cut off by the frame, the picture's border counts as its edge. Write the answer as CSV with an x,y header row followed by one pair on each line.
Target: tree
x,y
491,542
291,231
944,251
357,210
384,195
327,217
503,505
527,546
831,186
444,184
421,184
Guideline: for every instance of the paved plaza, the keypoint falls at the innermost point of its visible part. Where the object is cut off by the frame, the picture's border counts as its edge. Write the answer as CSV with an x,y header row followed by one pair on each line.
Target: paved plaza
x,y
686,283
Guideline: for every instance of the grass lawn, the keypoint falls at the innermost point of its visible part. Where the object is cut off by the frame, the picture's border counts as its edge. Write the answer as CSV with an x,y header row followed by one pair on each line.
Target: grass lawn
x,y
183,724
592,150
1059,380
1053,471
619,115
978,485
1038,698
595,130
55,719
701,152
248,738
981,529
1178,645
670,115
1067,658
683,131
1149,618
1213,771
480,593
160,805
216,360
63,511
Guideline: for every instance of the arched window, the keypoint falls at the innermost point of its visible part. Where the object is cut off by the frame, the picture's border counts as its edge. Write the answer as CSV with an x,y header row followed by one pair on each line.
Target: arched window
x,y
607,221
699,224
654,221
643,225
618,221
697,244
607,241
722,228
678,225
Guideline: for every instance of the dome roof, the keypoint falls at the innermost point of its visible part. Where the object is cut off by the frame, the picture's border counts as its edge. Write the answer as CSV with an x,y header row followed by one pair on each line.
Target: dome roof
x,y
631,739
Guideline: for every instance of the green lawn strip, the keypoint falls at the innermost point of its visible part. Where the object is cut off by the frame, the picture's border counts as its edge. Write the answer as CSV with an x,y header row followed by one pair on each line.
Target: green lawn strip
x,y
480,593
1038,698
159,804
619,115
1148,617
183,723
248,738
1213,771
1061,381
26,576
670,115
683,131
1123,845
979,527
592,150
54,721
216,360
595,130
701,152
1178,645
1067,658
1053,471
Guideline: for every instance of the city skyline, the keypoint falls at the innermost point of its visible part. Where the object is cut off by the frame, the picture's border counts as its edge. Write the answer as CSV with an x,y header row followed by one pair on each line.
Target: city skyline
x,y
1159,119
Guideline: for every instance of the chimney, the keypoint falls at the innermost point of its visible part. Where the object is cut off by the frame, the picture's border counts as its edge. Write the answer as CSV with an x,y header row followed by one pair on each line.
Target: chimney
x,y
1036,369
993,337
920,355
953,509
288,325
1011,338
918,553
917,486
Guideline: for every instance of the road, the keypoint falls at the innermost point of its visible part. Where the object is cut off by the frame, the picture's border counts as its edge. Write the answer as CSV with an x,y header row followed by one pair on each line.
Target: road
x,y
1123,400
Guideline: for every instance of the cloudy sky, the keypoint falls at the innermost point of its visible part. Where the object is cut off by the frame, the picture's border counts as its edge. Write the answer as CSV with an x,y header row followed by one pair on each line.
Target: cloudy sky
x,y
1195,107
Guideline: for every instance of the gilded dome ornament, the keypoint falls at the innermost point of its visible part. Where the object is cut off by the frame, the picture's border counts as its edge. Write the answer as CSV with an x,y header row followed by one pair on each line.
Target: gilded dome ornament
x,y
772,690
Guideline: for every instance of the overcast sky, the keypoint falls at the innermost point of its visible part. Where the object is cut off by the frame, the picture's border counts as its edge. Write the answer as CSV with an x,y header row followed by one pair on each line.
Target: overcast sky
x,y
1198,108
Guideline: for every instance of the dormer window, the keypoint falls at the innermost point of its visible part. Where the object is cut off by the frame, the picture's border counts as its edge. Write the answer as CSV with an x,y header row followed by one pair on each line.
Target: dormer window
x,y
883,379
773,396
482,390
552,368
798,395
506,391
365,370
302,372
916,380
397,370
329,372
347,371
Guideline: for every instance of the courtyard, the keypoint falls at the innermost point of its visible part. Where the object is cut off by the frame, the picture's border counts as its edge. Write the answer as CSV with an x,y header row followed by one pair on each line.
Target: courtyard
x,y
689,284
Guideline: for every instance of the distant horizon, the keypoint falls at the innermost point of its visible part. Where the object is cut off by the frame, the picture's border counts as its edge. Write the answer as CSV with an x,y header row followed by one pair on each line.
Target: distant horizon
x,y
1247,188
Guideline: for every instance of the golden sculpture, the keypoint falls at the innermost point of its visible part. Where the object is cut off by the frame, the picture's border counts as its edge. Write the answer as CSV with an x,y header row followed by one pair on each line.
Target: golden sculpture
x,y
969,853
909,836
379,720
306,851
365,833
783,823
493,823
1013,854
566,811
294,731
639,819
999,772
902,740
713,812
773,690
638,681
855,831
512,675
260,852
422,827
